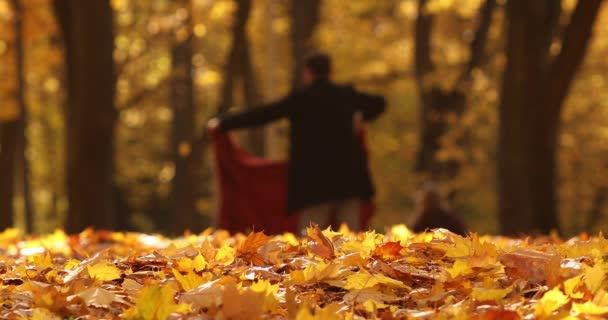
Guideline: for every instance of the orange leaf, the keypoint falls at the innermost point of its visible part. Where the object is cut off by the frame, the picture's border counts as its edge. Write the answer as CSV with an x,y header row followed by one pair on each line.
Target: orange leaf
x,y
249,249
388,251
319,244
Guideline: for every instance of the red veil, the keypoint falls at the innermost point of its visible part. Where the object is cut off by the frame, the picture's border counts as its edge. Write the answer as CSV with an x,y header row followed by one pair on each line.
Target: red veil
x,y
253,191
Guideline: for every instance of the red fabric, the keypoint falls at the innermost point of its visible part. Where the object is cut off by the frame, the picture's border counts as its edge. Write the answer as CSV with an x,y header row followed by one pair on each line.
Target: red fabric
x,y
253,191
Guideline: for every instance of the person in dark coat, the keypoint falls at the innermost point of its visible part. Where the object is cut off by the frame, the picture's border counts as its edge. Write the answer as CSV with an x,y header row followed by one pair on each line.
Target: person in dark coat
x,y
328,172
434,214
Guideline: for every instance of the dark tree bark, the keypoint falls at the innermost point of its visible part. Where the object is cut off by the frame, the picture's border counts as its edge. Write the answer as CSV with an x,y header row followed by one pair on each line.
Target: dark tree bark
x,y
88,33
597,208
532,98
239,69
13,162
305,17
437,104
183,195
8,145
23,165
237,65
257,138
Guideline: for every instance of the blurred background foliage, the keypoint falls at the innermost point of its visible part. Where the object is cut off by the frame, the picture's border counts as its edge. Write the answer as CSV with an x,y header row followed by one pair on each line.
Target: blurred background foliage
x,y
373,44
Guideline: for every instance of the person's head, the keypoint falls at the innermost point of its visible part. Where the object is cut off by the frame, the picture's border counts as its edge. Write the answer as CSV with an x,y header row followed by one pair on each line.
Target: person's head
x,y
317,67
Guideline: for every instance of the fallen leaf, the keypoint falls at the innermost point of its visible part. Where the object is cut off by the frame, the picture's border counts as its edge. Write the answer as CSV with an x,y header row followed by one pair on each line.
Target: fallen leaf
x,y
319,244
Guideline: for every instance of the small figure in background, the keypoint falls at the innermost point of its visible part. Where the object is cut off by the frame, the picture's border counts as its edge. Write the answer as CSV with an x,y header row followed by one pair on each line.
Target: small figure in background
x,y
433,214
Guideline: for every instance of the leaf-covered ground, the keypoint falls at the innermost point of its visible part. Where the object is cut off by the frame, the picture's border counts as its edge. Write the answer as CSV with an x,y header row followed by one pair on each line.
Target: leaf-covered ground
x,y
326,275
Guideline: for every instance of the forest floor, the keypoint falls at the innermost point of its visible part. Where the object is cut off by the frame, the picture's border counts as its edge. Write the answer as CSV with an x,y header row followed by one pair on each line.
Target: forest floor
x,y
326,275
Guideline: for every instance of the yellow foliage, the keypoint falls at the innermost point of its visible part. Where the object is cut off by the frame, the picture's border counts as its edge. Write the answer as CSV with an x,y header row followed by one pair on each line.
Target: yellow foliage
x,y
483,294
315,272
589,308
459,268
42,262
156,303
331,312
225,255
43,314
364,279
550,302
104,271
191,280
595,276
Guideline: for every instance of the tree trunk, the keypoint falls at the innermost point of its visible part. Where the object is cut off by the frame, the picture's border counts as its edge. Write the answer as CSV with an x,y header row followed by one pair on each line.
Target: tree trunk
x,y
597,208
8,146
90,114
438,105
246,73
194,163
23,172
183,195
305,16
532,97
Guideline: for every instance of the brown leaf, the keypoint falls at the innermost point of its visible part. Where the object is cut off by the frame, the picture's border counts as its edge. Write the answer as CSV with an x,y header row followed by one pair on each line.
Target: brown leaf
x,y
249,249
319,244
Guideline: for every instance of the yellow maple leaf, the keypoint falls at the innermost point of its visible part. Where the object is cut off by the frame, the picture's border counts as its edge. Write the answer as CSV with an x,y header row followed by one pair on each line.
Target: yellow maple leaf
x,y
483,294
315,272
191,280
269,290
71,264
461,247
571,285
459,268
104,271
42,262
239,303
199,263
595,276
365,246
156,303
187,265
550,301
589,308
225,255
364,279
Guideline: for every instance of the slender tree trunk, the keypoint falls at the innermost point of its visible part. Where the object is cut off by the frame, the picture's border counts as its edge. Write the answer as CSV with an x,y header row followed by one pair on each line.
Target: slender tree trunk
x,y
246,72
90,114
271,88
305,17
183,194
23,166
532,97
437,105
597,208
8,146
194,163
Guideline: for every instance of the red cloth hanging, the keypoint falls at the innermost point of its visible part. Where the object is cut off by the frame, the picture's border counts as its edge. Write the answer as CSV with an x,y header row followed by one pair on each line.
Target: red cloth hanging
x,y
253,191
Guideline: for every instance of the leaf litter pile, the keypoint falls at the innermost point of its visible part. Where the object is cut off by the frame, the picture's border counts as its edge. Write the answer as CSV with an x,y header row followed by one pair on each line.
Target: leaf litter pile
x,y
324,275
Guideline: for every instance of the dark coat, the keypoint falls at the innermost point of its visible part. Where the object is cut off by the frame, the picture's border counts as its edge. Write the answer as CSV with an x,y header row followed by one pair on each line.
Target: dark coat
x,y
326,159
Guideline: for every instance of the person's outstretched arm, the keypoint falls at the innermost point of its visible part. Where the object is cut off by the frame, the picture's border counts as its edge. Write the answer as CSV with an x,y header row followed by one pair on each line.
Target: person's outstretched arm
x,y
255,116
371,106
